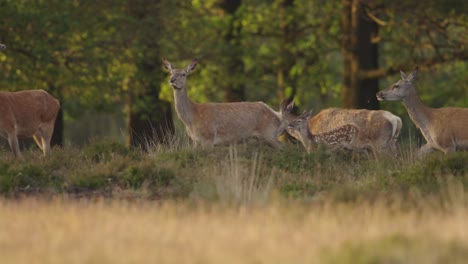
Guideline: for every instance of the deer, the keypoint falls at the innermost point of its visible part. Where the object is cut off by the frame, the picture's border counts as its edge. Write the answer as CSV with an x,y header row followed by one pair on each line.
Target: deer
x,y
341,137
211,124
444,129
377,132
28,113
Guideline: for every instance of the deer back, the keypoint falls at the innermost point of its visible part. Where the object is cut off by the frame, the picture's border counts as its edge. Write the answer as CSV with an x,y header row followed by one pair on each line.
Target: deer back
x,y
378,129
233,121
371,123
27,110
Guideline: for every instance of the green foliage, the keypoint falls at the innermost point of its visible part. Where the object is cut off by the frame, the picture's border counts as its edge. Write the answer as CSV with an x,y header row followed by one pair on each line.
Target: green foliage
x,y
426,174
99,56
136,175
86,180
104,150
26,177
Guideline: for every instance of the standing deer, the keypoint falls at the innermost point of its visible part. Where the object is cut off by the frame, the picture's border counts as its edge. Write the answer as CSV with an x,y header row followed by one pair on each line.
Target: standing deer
x,y
341,137
377,130
29,113
211,124
445,129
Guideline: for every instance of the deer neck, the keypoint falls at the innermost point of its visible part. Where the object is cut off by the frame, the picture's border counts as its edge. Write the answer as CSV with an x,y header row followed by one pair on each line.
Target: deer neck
x,y
417,111
184,106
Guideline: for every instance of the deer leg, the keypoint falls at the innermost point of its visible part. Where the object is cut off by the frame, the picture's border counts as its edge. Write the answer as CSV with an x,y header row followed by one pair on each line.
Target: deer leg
x,y
394,148
14,145
335,148
46,137
38,139
274,143
450,149
424,150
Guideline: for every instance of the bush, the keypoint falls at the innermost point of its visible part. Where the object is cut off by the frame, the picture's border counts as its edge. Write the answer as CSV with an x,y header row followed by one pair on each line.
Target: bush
x,y
104,150
23,177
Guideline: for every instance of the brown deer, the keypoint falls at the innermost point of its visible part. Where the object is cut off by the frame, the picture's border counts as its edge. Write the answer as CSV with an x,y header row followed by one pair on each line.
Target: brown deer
x,y
30,113
377,130
341,137
445,129
210,124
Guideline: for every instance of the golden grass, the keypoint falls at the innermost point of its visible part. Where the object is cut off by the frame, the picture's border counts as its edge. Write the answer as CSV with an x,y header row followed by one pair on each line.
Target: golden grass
x,y
64,231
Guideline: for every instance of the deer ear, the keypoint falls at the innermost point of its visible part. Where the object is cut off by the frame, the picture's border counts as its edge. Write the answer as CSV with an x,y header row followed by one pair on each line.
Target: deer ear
x,y
290,106
192,65
403,75
412,76
283,106
167,65
305,114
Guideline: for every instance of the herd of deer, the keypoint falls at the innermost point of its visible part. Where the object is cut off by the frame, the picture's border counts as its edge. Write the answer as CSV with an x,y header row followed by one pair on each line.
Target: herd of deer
x,y
32,113
374,131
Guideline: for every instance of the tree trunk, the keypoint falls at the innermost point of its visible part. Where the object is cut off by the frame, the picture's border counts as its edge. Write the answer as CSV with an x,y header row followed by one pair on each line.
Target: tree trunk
x,y
359,54
235,89
152,125
149,118
286,57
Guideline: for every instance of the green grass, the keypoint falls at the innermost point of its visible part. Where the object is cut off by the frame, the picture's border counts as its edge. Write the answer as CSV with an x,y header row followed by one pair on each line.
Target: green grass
x,y
244,173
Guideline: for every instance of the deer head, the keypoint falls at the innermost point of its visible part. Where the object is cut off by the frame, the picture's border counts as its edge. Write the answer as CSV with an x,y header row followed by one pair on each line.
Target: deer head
x,y
178,79
286,116
299,125
400,89
2,46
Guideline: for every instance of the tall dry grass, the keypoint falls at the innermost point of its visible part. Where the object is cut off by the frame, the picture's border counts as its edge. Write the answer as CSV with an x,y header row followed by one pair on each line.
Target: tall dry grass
x,y
64,231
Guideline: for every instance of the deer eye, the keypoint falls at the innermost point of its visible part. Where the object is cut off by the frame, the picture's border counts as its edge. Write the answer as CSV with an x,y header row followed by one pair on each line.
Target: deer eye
x,y
396,86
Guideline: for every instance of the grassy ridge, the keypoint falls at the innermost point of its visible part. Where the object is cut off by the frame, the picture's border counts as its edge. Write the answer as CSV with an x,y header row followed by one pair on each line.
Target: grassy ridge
x,y
245,173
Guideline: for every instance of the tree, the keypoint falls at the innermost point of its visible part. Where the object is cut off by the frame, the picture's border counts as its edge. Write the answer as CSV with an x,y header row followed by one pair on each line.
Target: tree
x,y
235,89
360,53
433,35
149,117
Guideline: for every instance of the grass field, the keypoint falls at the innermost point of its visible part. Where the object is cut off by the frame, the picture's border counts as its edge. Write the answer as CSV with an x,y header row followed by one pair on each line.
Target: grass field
x,y
106,203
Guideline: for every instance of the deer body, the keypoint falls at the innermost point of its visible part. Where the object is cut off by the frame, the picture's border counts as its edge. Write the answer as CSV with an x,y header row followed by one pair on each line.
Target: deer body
x,y
444,129
377,130
29,113
212,124
340,137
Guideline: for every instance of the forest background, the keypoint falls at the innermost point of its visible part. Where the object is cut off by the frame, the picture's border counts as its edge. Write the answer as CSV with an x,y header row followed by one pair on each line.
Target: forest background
x,y
102,59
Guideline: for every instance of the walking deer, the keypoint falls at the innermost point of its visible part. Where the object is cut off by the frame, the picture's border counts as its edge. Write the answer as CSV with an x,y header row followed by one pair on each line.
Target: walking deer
x,y
210,124
30,113
444,129
377,130
341,137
